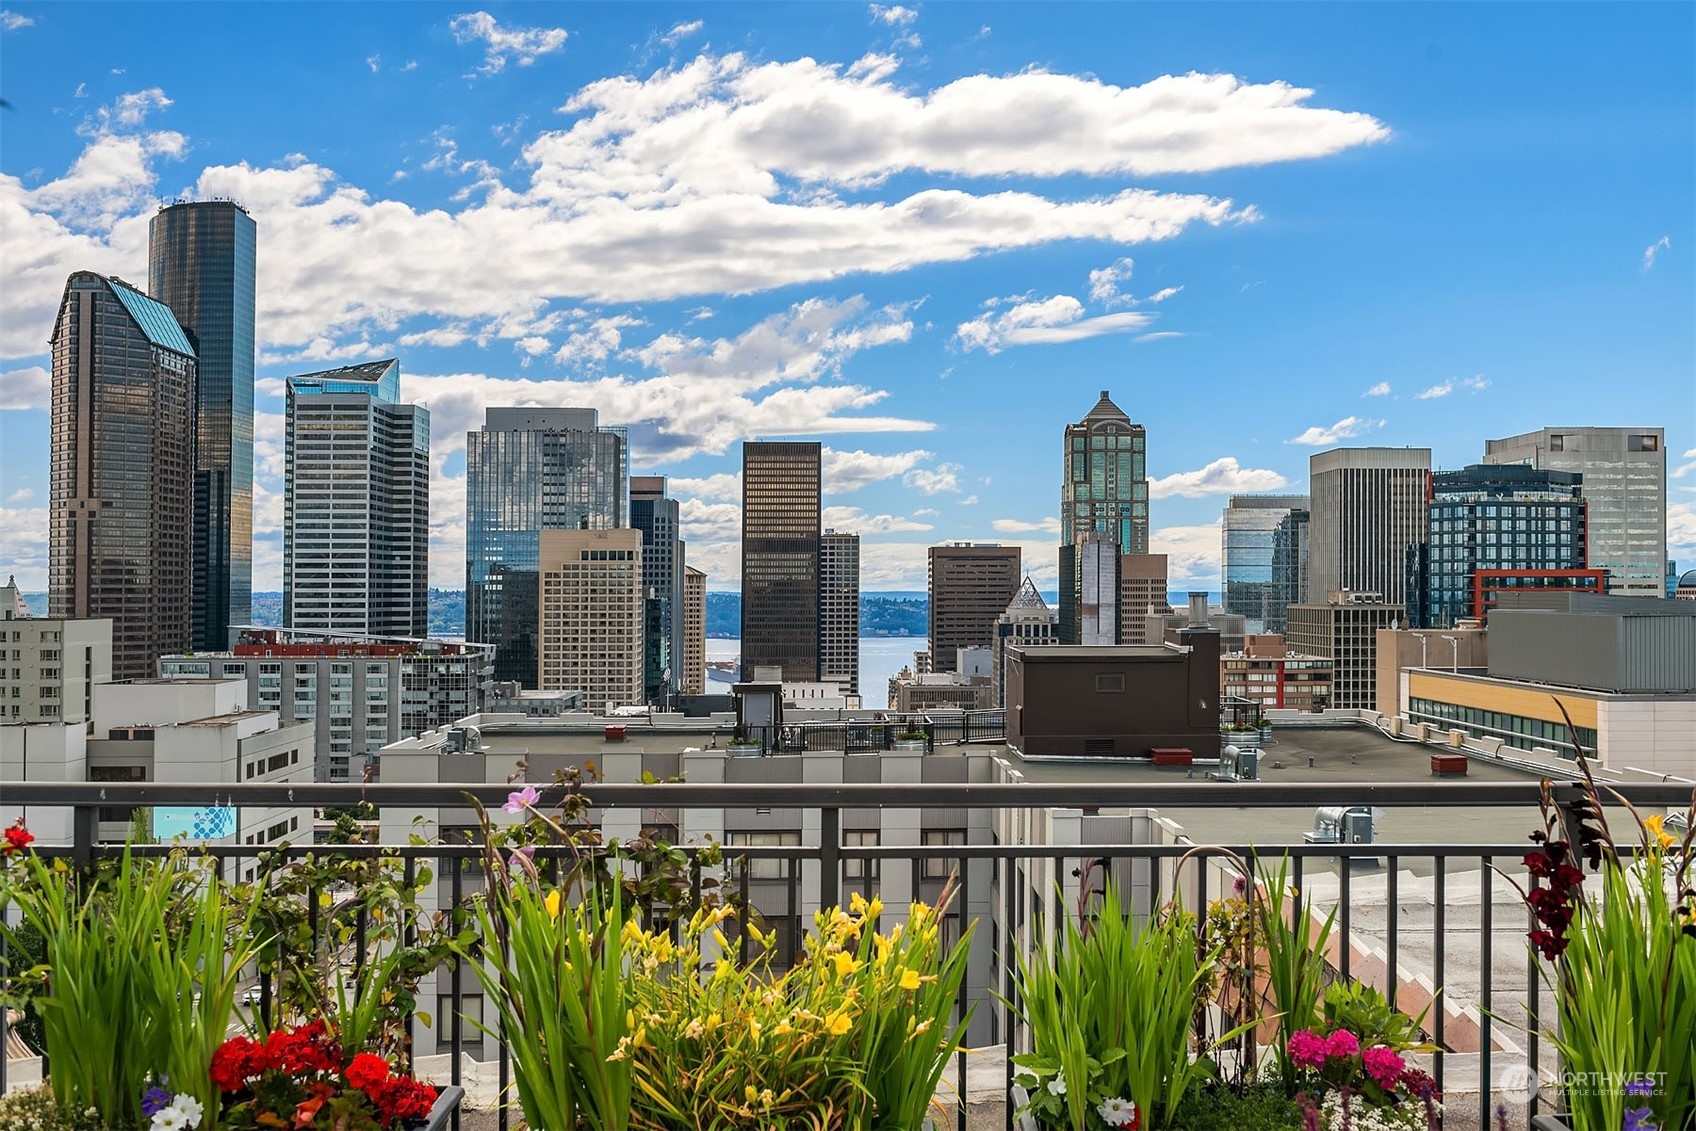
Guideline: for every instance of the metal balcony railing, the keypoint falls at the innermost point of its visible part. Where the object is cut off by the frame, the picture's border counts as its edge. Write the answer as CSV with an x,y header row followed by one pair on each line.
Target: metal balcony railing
x,y
996,878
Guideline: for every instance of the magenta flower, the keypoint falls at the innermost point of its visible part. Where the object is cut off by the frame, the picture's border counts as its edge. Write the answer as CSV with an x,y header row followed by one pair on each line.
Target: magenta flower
x,y
1307,1049
1342,1043
520,799
1384,1065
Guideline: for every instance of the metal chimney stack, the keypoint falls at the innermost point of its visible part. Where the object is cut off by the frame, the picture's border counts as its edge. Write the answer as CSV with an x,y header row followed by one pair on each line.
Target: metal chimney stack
x,y
1198,610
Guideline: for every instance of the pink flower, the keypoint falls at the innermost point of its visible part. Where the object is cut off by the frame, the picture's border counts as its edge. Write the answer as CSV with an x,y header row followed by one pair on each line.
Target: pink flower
x,y
1342,1043
1384,1065
520,799
1307,1049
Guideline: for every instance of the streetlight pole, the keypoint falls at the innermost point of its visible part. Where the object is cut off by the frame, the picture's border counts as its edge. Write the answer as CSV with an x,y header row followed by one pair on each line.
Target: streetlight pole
x,y
1424,642
1454,661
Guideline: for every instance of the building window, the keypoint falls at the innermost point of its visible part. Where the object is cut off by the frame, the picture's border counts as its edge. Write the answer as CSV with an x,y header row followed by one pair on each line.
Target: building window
x,y
940,868
859,869
765,868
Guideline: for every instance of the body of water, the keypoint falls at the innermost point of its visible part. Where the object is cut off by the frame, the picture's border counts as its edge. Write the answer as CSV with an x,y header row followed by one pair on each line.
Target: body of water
x,y
880,658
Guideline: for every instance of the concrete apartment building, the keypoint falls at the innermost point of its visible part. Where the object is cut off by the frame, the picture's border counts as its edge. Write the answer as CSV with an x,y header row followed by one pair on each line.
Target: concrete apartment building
x,y
1142,593
592,616
694,631
359,693
839,610
970,586
1345,631
968,685
48,668
1369,506
1268,672
1625,491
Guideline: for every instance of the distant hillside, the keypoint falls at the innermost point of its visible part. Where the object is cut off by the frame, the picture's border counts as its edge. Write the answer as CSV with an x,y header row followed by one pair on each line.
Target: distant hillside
x,y
881,614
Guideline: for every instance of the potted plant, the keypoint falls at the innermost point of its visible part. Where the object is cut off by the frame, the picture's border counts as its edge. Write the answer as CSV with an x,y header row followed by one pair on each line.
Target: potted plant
x,y
912,740
1617,945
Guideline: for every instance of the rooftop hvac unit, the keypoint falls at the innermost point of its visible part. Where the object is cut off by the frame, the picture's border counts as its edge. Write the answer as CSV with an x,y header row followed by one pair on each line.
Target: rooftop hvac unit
x,y
1338,824
1236,764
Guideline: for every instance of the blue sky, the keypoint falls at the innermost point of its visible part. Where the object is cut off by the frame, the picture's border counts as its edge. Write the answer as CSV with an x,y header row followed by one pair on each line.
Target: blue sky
x,y
926,235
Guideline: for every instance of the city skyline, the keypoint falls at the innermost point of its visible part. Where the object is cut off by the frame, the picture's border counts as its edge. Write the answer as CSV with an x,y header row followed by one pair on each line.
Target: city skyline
x,y
1374,242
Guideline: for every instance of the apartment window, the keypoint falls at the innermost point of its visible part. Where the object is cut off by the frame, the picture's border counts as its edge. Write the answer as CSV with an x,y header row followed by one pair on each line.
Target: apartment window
x,y
941,868
1643,444
471,1014
860,869
765,868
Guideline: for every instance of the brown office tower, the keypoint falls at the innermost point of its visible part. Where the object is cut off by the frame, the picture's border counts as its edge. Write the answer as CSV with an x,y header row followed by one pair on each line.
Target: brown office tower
x,y
1142,590
971,585
780,558
694,631
123,457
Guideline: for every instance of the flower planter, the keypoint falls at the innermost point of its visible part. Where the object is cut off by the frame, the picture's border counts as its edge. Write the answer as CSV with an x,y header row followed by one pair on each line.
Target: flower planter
x,y
447,1102
1549,1123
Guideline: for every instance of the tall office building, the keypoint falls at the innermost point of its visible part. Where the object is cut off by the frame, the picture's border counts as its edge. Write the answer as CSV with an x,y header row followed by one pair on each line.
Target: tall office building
x,y
356,504
780,558
1343,630
662,567
1027,622
1290,548
200,263
1625,487
839,609
1496,527
694,631
529,470
1098,560
1104,489
121,503
1142,593
1368,507
593,606
1254,587
970,586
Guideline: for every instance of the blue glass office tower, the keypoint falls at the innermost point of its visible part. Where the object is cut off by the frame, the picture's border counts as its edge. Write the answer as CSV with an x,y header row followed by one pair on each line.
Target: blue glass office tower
x,y
200,263
529,470
662,574
1104,489
1259,580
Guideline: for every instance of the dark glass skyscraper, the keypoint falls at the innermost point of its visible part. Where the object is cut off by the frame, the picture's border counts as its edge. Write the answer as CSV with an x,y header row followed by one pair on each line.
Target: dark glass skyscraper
x,y
121,500
780,558
662,573
200,263
1249,535
1104,489
529,470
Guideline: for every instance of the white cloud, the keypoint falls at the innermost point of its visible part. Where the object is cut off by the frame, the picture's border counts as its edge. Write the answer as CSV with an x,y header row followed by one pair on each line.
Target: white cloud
x,y
1192,555
926,512
1163,294
1104,282
1681,532
1221,477
596,340
12,21
934,481
680,32
375,62
81,91
727,162
1678,473
893,14
21,495
842,472
1381,389
26,545
132,109
1159,336
1345,429
1653,250
856,521
1019,526
29,387
502,44
969,501
1049,320
1475,384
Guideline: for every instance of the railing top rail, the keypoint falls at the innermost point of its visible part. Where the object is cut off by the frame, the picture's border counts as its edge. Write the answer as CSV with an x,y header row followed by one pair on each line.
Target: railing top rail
x,y
683,795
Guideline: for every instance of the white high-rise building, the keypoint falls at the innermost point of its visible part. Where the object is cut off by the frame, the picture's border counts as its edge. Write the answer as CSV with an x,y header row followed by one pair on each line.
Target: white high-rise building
x,y
592,615
839,610
1369,506
48,666
356,504
1625,490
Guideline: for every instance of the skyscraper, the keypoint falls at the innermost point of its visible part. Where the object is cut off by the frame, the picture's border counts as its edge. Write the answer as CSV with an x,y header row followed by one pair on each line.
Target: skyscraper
x,y
1625,487
970,586
1249,537
1098,560
1142,592
839,609
356,504
121,505
662,569
1104,489
593,607
1368,507
1496,527
529,470
1289,563
694,631
780,558
200,263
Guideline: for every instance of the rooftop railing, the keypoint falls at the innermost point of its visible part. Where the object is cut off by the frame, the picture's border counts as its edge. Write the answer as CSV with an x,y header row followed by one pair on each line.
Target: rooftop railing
x,y
1479,957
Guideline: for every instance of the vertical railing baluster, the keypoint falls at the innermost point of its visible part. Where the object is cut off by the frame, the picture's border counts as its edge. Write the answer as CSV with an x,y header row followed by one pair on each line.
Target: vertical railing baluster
x,y
1487,971
1439,878
830,856
960,994
1345,874
409,937
1392,923
457,987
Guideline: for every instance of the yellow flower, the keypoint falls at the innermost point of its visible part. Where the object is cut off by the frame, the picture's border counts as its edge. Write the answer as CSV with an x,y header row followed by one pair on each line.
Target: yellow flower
x,y
857,903
910,979
749,1094
846,964
552,904
1658,836
633,933
766,1097
718,937
754,933
838,1023
783,1028
754,1029
694,1029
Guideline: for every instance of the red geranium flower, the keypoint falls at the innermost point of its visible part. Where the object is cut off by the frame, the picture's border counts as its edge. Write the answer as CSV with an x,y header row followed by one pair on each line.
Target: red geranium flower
x,y
17,839
403,1098
368,1071
236,1062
